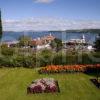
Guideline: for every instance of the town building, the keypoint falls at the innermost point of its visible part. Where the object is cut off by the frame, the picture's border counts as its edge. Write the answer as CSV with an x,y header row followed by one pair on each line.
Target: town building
x,y
78,41
43,42
78,44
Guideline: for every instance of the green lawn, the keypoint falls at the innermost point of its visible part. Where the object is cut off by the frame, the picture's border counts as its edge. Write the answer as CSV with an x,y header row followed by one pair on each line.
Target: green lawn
x,y
14,82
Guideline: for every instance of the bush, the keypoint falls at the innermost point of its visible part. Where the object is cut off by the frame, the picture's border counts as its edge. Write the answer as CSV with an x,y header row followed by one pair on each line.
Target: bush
x,y
44,57
5,51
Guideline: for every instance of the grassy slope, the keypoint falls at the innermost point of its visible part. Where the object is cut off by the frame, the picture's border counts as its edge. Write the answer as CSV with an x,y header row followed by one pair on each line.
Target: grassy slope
x,y
13,84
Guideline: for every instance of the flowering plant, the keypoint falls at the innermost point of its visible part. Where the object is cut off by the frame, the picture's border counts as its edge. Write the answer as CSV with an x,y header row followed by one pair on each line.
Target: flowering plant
x,y
68,68
43,85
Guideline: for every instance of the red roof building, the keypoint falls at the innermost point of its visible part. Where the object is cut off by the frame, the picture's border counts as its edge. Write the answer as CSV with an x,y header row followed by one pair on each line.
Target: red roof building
x,y
42,41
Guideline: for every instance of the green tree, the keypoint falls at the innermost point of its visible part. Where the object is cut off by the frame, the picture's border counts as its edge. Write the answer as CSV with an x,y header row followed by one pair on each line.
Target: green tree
x,y
97,44
56,44
44,58
97,49
24,41
0,26
6,51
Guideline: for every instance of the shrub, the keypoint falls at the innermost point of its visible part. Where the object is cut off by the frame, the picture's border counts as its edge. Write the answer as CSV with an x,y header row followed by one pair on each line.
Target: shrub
x,y
45,85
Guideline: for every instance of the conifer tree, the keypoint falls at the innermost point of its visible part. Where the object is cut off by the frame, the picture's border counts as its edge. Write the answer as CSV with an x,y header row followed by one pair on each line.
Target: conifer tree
x,y
0,26
97,43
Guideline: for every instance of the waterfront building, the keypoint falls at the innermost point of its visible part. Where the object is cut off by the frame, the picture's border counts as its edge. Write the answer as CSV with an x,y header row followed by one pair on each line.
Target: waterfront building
x,y
43,42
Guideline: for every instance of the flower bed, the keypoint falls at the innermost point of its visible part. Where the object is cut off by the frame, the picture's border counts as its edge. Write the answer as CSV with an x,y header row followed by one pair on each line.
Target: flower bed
x,y
95,82
92,68
69,68
45,85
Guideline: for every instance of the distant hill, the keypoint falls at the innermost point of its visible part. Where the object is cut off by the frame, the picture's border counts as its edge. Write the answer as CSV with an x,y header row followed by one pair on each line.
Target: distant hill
x,y
80,31
69,31
85,31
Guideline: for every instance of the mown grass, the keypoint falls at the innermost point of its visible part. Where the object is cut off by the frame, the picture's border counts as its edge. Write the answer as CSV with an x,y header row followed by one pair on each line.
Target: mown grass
x,y
14,82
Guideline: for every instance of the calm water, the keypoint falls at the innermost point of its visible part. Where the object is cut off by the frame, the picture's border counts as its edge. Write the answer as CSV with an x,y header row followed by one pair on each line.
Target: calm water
x,y
13,36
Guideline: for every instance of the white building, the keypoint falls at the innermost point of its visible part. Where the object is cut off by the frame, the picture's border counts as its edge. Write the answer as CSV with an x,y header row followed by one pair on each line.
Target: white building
x,y
82,40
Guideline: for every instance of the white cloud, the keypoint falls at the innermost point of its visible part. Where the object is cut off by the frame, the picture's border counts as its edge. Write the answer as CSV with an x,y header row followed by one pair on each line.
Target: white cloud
x,y
39,24
43,1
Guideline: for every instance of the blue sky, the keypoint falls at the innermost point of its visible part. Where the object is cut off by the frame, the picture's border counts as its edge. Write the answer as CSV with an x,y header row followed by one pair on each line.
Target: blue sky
x,y
69,9
12,10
